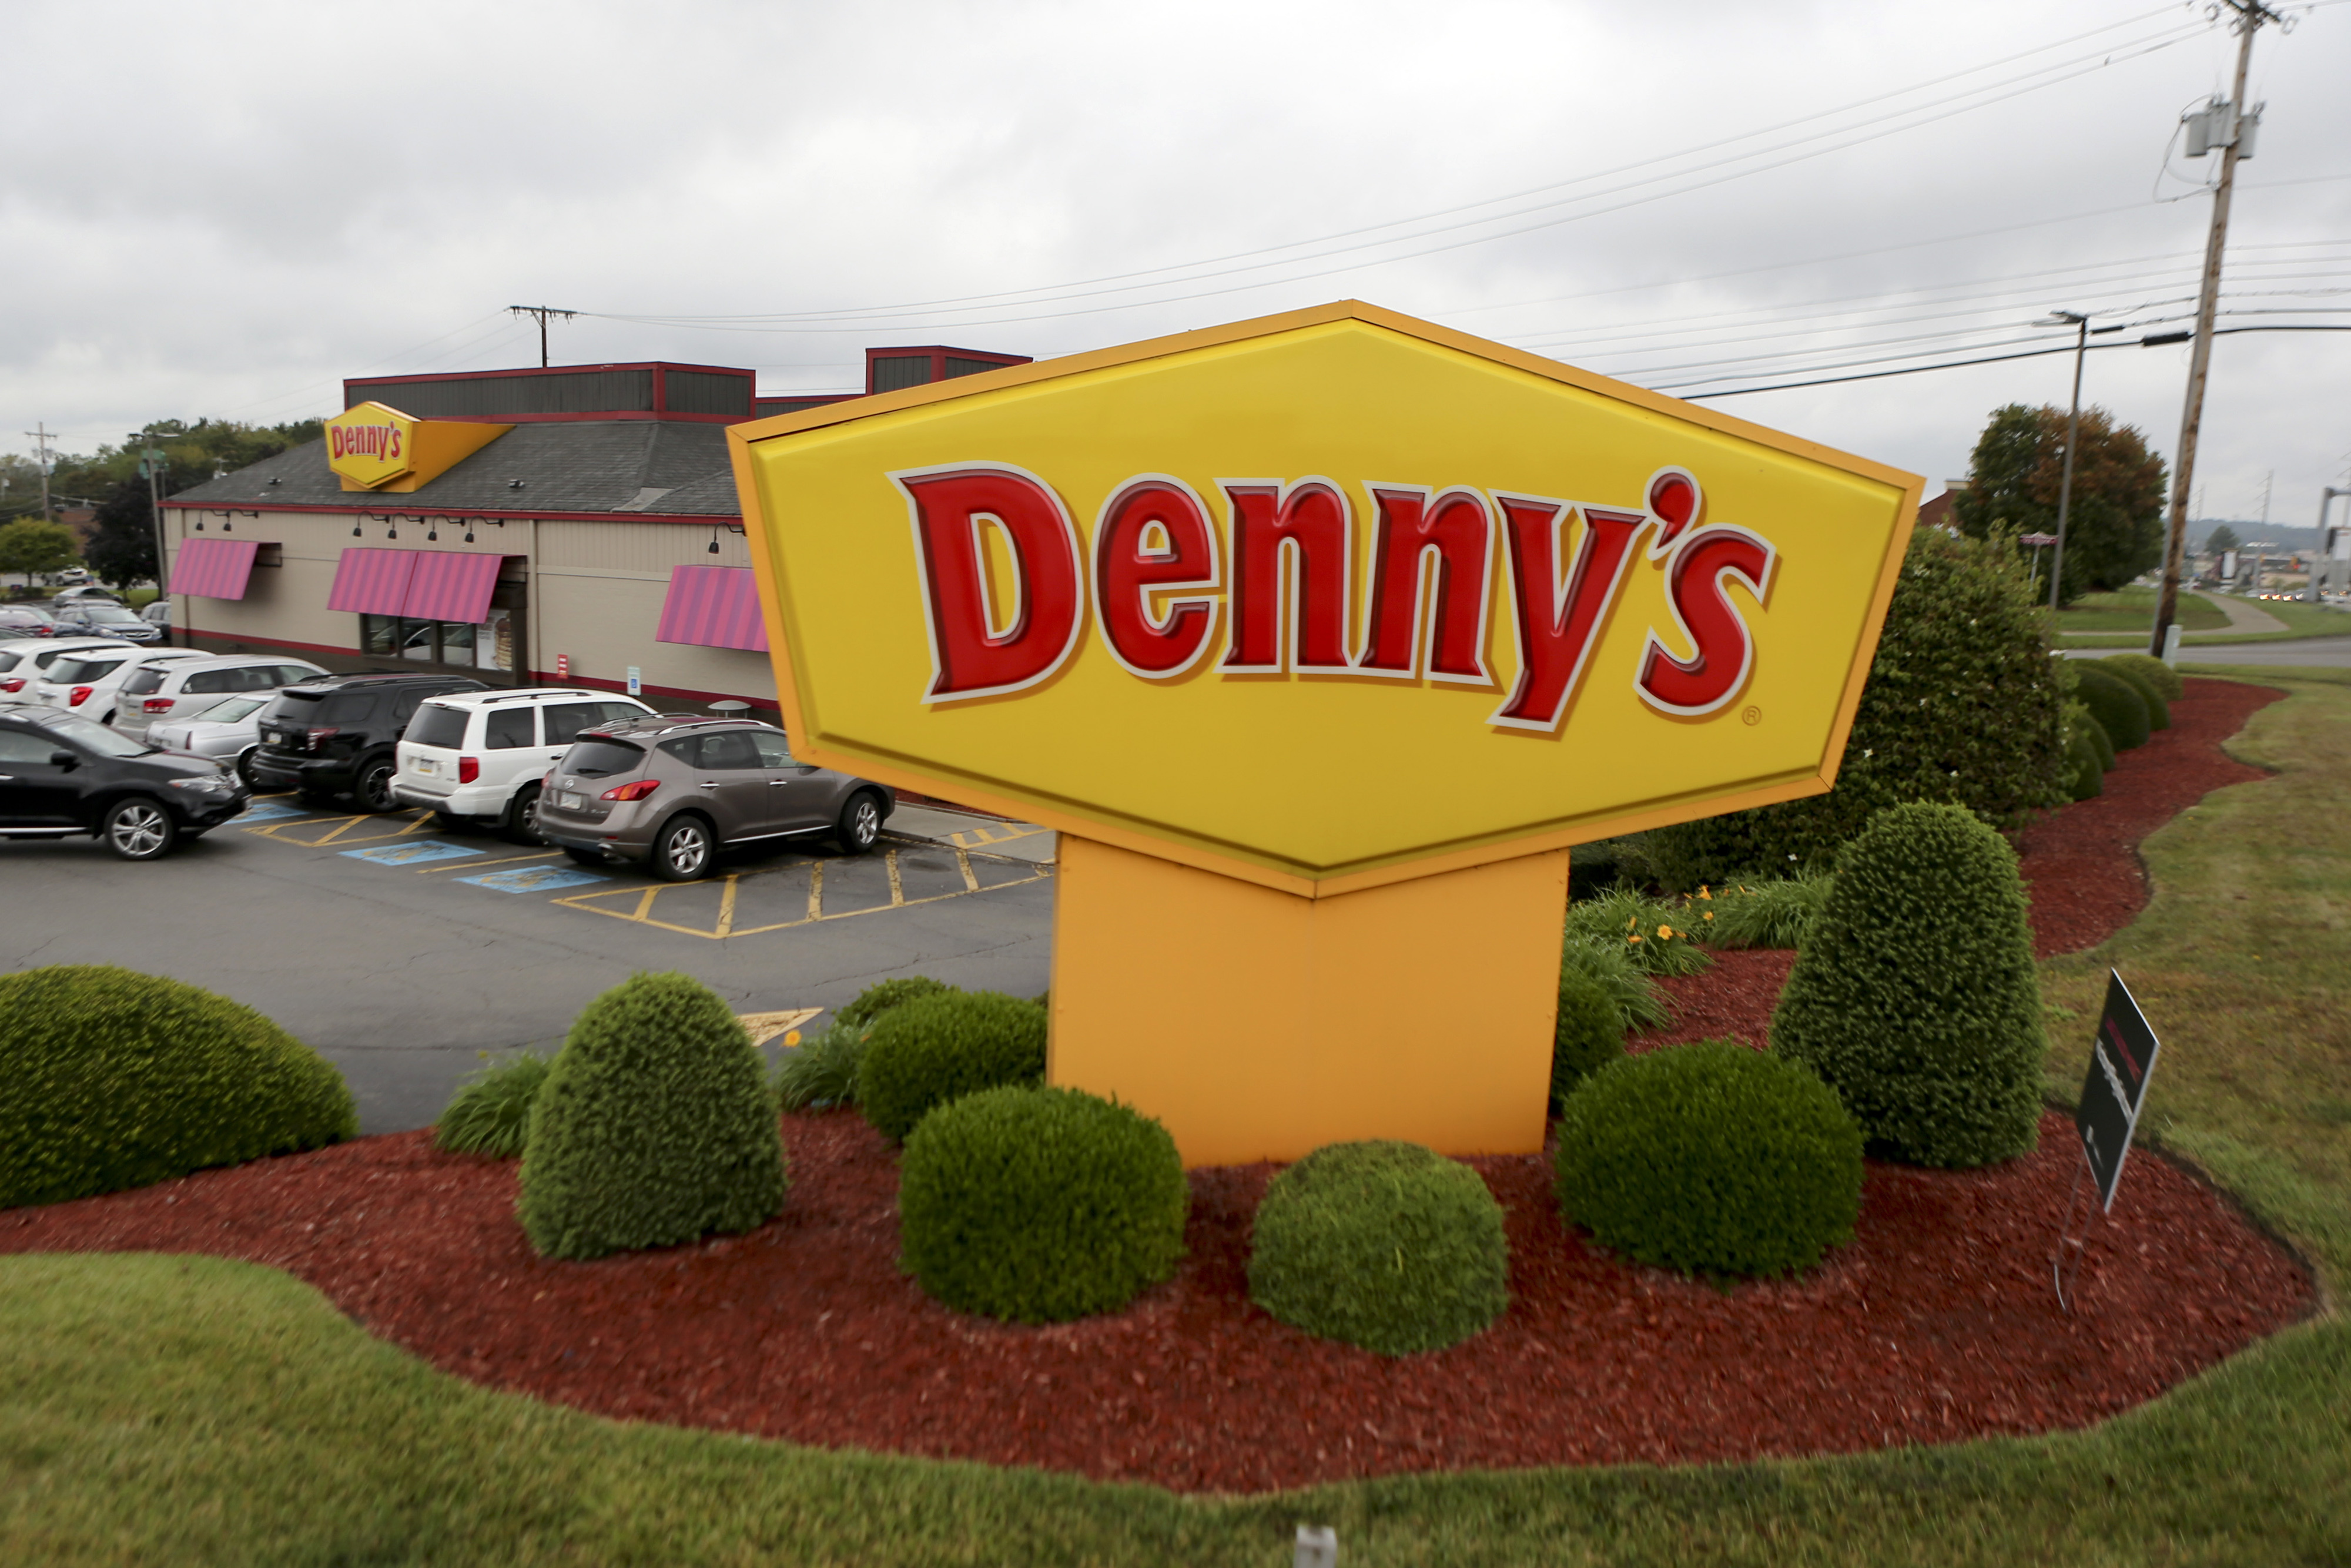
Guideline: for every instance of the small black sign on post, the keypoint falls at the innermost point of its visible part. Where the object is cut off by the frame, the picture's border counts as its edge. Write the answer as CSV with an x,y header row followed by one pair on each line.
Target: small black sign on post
x,y
2121,1061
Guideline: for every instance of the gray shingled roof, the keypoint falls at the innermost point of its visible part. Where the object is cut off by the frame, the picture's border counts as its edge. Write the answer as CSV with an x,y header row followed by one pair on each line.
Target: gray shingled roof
x,y
586,466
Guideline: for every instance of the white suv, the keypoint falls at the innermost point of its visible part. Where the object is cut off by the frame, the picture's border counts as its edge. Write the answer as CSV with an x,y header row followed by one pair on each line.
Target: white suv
x,y
160,690
90,681
478,757
24,663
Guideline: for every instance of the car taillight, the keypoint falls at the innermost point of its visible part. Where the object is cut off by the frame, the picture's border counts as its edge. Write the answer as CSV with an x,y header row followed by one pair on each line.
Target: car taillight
x,y
468,769
636,792
13,684
321,732
157,704
78,694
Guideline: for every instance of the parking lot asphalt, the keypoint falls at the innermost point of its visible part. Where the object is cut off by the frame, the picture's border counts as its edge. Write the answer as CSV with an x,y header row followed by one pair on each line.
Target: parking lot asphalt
x,y
403,951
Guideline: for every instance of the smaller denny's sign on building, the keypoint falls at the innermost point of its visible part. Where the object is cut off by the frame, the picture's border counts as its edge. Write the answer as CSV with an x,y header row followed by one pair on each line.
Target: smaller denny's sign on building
x,y
372,446
1320,638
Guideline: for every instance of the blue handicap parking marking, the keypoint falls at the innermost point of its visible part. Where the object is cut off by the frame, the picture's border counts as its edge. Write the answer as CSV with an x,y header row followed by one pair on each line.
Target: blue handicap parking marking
x,y
410,854
533,878
269,811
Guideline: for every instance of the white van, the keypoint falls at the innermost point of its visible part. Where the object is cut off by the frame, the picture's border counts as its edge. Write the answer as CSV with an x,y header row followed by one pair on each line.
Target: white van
x,y
478,757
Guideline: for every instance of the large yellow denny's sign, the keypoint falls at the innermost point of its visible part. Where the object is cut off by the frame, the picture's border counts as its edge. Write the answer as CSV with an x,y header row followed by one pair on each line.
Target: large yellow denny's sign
x,y
1321,601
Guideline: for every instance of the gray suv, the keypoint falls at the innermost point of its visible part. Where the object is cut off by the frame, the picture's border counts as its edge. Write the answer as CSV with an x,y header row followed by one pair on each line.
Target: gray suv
x,y
674,789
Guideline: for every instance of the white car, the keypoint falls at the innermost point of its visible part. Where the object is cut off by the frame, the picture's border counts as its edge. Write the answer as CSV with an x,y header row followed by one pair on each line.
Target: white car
x,y
24,666
227,729
163,688
478,757
91,682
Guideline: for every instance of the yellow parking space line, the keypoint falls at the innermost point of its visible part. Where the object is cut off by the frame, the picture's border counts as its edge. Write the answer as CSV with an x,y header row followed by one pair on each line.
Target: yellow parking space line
x,y
898,890
980,838
477,865
765,1026
726,906
1043,874
287,833
725,926
645,905
962,864
816,890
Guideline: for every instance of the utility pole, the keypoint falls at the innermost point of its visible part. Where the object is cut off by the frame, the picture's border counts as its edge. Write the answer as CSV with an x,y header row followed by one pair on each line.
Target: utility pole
x,y
2073,436
2324,551
151,460
45,456
541,312
2249,16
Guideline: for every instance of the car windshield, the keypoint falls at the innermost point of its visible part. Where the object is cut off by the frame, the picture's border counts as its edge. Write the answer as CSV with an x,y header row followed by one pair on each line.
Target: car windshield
x,y
70,672
109,615
228,710
89,736
601,758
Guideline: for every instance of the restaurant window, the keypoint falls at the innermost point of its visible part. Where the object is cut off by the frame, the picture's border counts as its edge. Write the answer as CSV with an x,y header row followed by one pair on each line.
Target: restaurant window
x,y
449,645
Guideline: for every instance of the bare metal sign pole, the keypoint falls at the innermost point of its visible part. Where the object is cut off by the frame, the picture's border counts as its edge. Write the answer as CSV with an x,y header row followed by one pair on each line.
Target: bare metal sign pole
x,y
2249,16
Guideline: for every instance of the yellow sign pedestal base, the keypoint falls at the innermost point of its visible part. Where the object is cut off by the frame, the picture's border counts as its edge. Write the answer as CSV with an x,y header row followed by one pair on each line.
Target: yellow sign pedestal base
x,y
1259,1025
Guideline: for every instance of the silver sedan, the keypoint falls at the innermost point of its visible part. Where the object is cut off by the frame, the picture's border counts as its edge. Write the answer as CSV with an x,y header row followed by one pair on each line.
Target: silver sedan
x,y
227,731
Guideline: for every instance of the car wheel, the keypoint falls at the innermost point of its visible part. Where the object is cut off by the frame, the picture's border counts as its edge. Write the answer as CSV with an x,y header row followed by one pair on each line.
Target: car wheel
x,y
245,768
585,857
372,792
138,829
683,851
522,817
860,828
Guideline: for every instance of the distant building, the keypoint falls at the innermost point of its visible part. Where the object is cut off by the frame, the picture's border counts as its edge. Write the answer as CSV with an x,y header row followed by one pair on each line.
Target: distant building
x,y
570,523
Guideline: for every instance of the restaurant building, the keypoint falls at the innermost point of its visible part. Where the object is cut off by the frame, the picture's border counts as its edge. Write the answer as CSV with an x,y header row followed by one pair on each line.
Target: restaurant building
x,y
573,524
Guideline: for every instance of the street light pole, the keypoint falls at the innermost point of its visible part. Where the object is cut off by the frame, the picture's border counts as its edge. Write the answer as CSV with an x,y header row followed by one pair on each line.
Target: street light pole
x,y
2320,555
2073,438
147,453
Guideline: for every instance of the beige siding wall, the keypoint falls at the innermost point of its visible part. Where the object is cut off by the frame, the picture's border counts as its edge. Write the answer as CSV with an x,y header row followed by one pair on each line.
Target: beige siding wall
x,y
596,592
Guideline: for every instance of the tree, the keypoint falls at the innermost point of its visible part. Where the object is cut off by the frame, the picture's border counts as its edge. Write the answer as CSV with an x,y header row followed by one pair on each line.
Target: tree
x,y
2114,528
2223,537
122,548
32,546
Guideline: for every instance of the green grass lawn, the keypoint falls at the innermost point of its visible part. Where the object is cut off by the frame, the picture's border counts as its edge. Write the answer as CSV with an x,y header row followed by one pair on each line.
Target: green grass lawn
x,y
191,1410
2132,610
2109,621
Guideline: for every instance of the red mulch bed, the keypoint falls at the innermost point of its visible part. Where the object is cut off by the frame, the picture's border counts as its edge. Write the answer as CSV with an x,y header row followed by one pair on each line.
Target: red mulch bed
x,y
1937,1324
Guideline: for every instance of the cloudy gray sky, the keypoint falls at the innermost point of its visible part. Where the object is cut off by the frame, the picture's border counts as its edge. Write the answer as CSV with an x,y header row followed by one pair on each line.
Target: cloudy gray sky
x,y
221,210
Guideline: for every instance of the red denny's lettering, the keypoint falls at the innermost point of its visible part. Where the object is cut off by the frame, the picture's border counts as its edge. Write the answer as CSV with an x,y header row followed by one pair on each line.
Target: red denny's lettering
x,y
1158,571
381,441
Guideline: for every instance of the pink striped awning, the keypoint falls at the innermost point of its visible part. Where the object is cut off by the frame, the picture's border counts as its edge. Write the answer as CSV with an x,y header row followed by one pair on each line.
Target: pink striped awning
x,y
214,568
373,581
713,607
451,585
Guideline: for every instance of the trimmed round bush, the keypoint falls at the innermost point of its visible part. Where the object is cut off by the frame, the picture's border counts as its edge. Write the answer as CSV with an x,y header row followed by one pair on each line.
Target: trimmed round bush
x,y
2158,712
935,1049
114,1079
1917,1000
1710,1158
654,1127
2089,775
1038,1204
2151,670
875,1000
1388,1246
2118,705
2088,728
1588,1034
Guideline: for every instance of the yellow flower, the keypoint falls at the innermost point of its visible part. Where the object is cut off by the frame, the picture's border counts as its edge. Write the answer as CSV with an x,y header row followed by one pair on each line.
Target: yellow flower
x,y
1666,932
1703,892
1709,915
1632,938
792,1037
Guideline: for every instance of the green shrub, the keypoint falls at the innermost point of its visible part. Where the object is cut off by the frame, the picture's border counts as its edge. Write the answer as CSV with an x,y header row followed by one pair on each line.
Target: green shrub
x,y
2080,724
1775,911
490,1113
1961,705
2089,775
654,1126
1384,1245
1917,1000
1639,1003
1710,1158
2153,671
1587,1034
2158,712
1652,933
875,1000
2116,704
114,1079
822,1069
935,1048
1039,1205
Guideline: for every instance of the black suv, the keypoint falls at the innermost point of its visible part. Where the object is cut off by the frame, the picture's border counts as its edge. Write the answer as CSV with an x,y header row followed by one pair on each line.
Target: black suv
x,y
62,774
335,736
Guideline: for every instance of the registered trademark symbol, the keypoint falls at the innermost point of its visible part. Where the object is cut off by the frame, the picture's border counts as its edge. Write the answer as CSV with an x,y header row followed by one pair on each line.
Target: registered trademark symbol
x,y
1751,714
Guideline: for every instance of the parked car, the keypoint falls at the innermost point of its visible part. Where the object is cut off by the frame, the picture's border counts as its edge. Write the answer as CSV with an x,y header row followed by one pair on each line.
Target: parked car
x,y
60,775
72,576
23,621
97,617
336,736
29,664
674,791
84,594
478,757
227,729
157,613
161,687
91,682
